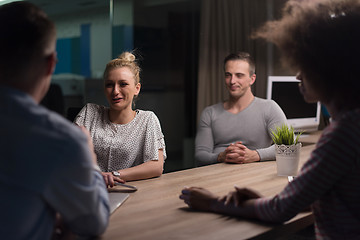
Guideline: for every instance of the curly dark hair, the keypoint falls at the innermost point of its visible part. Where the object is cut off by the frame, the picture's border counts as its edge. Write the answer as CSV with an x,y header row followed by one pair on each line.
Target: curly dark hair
x,y
321,38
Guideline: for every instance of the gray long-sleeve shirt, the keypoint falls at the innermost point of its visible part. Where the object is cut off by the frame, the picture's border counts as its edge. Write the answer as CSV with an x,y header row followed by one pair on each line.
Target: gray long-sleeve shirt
x,y
219,128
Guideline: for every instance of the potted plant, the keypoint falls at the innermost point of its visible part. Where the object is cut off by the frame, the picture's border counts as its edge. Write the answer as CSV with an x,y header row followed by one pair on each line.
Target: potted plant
x,y
287,147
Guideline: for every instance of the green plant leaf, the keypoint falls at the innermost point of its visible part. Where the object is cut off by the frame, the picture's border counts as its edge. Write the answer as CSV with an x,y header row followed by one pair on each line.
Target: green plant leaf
x,y
284,135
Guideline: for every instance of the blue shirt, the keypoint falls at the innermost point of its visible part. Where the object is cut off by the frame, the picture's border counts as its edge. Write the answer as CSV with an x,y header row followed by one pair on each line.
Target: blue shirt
x,y
45,167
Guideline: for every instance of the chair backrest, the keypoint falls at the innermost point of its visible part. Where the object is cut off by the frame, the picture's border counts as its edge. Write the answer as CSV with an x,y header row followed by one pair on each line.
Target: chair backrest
x,y
72,112
54,99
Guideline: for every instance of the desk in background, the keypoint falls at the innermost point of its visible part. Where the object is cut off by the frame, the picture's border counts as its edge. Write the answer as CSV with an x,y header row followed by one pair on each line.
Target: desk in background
x,y
156,212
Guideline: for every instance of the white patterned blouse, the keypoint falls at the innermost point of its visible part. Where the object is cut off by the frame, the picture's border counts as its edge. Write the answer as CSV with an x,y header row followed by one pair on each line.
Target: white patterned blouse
x,y
120,146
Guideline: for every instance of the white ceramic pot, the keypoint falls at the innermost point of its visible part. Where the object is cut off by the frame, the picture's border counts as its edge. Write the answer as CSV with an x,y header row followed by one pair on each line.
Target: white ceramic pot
x,y
287,159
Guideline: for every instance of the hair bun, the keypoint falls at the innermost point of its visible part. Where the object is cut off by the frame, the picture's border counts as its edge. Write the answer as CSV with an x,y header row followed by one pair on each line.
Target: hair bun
x,y
127,56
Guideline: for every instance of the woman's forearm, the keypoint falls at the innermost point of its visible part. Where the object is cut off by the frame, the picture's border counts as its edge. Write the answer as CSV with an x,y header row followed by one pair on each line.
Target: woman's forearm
x,y
153,168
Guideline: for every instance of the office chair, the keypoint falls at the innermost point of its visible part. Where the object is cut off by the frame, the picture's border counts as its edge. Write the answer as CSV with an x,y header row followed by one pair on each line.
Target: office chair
x,y
54,99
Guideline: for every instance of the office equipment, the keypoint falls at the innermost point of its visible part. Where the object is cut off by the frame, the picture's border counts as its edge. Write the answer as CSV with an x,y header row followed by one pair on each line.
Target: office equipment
x,y
301,115
116,199
131,187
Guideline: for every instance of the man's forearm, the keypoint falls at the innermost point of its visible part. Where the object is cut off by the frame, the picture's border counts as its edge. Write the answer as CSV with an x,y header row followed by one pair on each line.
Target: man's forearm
x,y
221,157
205,158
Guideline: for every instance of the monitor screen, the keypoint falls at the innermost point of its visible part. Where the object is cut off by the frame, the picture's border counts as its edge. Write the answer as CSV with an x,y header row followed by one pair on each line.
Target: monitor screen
x,y
301,115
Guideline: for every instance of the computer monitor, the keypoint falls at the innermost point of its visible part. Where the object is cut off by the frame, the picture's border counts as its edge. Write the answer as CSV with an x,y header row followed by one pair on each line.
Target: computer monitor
x,y
284,90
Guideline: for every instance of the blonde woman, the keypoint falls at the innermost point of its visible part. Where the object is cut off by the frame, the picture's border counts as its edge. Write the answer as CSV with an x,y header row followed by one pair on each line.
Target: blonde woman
x,y
129,144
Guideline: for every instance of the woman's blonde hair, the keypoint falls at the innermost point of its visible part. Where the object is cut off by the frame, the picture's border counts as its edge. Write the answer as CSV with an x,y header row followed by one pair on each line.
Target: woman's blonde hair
x,y
126,59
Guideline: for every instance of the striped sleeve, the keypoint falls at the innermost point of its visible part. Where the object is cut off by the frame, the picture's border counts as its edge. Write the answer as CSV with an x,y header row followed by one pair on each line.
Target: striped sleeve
x,y
334,158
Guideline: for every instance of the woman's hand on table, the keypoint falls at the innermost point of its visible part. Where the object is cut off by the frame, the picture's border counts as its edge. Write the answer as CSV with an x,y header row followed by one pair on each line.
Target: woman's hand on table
x,y
237,203
110,179
198,198
239,196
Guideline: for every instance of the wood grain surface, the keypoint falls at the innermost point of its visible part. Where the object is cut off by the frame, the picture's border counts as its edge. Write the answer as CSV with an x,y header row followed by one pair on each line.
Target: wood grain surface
x,y
156,212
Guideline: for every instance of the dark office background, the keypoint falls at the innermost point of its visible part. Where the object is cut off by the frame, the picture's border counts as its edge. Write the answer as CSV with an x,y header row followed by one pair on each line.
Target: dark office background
x,y
165,35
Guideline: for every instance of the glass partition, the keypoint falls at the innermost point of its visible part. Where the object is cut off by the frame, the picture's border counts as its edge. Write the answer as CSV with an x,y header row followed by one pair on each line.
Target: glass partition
x,y
165,34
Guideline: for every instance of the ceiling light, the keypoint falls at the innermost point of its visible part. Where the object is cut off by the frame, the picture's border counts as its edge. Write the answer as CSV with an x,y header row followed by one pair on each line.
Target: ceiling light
x,y
2,2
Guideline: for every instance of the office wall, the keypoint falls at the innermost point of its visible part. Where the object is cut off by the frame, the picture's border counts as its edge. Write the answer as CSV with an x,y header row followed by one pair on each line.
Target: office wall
x,y
165,34
83,47
69,31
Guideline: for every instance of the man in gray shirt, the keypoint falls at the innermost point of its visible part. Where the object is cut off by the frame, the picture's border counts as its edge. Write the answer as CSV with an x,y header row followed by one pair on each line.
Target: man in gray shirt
x,y
239,129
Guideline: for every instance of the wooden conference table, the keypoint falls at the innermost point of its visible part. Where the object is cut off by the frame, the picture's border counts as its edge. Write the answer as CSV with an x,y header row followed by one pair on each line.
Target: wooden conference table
x,y
156,212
